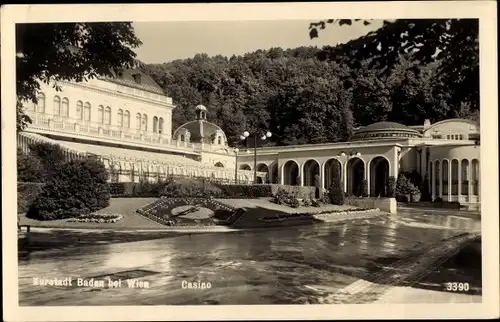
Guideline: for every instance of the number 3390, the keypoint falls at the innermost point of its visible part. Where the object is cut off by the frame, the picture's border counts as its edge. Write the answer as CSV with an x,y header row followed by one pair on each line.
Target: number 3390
x,y
457,287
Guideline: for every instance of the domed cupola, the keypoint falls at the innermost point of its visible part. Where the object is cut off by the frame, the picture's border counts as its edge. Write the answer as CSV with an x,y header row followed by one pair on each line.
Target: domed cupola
x,y
200,130
385,130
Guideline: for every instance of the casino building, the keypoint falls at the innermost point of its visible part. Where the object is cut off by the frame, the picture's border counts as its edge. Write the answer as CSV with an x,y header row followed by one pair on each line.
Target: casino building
x,y
126,121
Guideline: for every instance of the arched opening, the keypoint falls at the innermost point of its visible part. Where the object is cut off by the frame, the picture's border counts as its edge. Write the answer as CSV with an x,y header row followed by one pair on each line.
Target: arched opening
x,y
245,167
465,177
475,177
155,124
183,138
445,175
219,165
274,174
100,114
65,107
144,122
333,169
437,180
120,118
262,168
40,105
87,112
79,110
355,176
379,175
57,106
160,125
291,173
454,177
311,170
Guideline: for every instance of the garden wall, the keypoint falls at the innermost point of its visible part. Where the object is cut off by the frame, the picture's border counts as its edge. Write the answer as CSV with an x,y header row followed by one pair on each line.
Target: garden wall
x,y
26,194
384,204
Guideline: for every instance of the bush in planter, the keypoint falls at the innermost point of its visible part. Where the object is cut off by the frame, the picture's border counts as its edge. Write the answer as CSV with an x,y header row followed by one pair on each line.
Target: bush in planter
x,y
364,188
403,188
79,187
294,202
307,203
297,180
391,187
336,193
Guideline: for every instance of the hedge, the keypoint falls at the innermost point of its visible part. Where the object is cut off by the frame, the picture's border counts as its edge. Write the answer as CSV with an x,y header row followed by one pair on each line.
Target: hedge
x,y
27,192
185,187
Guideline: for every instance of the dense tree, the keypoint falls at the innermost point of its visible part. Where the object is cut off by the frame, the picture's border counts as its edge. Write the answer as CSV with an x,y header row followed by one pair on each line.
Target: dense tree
x,y
53,52
452,43
402,72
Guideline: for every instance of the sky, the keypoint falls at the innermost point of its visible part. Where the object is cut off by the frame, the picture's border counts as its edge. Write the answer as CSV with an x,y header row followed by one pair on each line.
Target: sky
x,y
167,41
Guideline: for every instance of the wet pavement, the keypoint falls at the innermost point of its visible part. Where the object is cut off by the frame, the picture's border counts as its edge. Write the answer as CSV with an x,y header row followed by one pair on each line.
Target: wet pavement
x,y
292,265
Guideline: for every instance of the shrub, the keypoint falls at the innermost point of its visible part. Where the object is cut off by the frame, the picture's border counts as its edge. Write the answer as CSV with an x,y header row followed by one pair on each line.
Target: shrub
x,y
294,203
297,180
79,187
364,188
391,187
315,203
50,156
29,168
307,202
26,195
336,193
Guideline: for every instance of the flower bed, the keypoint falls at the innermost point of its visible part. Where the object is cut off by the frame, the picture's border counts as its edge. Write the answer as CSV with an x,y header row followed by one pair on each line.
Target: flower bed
x,y
97,218
298,215
161,212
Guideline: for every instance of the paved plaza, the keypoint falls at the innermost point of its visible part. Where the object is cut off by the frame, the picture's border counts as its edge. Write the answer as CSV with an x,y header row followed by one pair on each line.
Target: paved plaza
x,y
352,262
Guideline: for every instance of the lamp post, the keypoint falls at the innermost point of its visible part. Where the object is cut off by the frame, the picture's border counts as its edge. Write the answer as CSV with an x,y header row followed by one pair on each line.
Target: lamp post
x,y
265,136
236,150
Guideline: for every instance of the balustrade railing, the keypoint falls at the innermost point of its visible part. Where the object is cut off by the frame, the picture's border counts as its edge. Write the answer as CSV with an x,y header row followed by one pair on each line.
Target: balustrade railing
x,y
77,126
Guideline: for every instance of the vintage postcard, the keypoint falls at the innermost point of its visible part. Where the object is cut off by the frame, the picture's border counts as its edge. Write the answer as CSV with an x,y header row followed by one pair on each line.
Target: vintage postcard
x,y
250,161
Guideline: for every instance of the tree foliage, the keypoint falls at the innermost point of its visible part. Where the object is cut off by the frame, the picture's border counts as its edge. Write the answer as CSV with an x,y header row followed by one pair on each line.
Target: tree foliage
x,y
79,187
453,44
54,52
313,95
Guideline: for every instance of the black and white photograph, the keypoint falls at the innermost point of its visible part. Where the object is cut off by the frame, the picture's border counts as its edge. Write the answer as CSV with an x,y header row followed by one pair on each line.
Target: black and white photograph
x,y
296,161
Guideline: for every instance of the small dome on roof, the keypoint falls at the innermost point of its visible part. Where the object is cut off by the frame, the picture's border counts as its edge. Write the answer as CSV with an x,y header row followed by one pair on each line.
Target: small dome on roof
x,y
386,129
201,130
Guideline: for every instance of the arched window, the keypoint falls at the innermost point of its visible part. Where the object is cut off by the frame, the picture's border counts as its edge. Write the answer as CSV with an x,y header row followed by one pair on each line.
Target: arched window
x,y
160,125
182,138
40,105
65,107
100,114
138,121
86,112
119,120
107,115
79,110
144,122
155,124
57,106
126,119
219,141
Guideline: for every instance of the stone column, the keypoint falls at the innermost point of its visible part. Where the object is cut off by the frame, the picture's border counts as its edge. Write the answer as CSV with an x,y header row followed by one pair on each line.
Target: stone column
x,y
367,177
459,180
450,185
282,173
344,175
469,181
440,179
432,177
322,178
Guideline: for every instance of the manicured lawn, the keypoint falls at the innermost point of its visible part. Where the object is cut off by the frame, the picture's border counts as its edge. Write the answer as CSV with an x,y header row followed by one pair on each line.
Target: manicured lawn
x,y
123,206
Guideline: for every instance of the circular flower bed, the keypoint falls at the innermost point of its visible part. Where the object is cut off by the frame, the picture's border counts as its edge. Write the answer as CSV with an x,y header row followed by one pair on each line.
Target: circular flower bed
x,y
98,218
